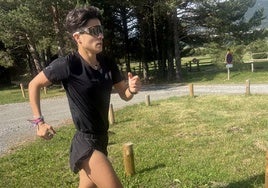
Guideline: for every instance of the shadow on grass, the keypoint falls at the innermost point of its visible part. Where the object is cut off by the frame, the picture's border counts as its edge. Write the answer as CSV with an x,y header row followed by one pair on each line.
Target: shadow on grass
x,y
152,168
251,182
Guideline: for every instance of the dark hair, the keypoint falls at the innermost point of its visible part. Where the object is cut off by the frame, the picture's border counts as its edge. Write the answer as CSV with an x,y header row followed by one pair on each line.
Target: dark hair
x,y
78,18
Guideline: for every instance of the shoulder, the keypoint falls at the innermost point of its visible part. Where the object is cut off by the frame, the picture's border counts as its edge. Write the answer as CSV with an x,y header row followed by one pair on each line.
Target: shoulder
x,y
63,63
73,57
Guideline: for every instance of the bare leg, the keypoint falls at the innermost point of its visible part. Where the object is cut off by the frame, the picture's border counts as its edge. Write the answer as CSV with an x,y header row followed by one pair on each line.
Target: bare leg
x,y
98,172
85,181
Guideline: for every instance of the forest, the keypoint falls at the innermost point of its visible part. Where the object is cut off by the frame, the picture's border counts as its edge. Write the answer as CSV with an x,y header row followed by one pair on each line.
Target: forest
x,y
145,32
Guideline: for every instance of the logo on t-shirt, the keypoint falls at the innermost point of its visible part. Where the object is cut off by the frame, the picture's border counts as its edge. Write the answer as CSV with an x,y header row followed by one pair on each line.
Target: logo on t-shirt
x,y
108,76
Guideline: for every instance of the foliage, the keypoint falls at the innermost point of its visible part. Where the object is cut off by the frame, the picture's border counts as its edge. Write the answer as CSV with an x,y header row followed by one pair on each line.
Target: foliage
x,y
29,24
145,31
258,46
225,21
5,59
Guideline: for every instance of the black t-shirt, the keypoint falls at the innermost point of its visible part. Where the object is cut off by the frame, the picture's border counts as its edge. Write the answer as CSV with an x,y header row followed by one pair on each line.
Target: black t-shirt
x,y
88,90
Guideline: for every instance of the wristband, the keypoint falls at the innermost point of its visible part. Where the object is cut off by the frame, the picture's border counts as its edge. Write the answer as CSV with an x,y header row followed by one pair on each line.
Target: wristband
x,y
132,93
35,122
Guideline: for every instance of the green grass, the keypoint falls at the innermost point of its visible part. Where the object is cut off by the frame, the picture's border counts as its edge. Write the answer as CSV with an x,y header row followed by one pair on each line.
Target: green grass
x,y
201,142
13,94
217,74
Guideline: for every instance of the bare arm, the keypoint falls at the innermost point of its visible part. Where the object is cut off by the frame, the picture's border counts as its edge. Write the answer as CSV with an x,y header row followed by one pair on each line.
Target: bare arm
x,y
34,92
127,91
43,130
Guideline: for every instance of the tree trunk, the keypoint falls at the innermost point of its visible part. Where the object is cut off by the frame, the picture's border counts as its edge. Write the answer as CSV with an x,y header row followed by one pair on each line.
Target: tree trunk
x,y
176,46
58,30
157,43
170,48
126,39
34,54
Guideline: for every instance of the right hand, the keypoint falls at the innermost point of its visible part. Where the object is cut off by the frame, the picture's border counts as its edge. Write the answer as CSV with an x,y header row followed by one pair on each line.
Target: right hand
x,y
45,131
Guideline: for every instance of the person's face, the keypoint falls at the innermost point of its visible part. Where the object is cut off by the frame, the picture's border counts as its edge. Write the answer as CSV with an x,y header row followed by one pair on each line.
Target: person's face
x,y
90,37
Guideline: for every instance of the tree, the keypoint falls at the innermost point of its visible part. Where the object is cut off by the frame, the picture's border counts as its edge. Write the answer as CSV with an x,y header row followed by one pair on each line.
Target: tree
x,y
158,31
224,21
30,23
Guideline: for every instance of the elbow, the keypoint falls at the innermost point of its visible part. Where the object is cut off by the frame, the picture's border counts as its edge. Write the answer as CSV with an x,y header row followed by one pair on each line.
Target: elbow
x,y
30,85
33,85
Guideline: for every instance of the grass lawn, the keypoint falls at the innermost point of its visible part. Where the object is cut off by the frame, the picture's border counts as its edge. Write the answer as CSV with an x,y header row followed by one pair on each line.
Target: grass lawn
x,y
13,94
201,142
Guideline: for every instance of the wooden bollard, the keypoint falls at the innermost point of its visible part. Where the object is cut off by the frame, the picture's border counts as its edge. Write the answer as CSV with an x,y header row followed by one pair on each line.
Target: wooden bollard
x,y
247,87
228,73
191,90
111,114
128,155
147,100
45,90
22,90
266,171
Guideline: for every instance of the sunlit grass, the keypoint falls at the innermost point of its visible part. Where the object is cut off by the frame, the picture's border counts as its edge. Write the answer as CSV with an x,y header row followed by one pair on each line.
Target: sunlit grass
x,y
206,141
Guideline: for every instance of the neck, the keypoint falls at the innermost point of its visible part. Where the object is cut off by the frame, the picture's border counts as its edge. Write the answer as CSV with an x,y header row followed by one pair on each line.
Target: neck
x,y
90,58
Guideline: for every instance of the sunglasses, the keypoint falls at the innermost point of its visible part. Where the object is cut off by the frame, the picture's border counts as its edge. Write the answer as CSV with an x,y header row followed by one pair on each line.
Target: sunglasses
x,y
94,31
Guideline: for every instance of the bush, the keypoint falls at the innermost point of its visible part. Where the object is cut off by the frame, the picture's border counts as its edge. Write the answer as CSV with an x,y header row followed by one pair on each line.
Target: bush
x,y
259,56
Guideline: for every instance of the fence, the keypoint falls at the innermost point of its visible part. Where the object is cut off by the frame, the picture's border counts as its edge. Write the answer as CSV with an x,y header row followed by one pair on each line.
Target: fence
x,y
257,58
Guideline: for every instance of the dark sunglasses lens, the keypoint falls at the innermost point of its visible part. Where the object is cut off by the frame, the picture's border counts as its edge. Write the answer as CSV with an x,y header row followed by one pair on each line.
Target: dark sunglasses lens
x,y
96,30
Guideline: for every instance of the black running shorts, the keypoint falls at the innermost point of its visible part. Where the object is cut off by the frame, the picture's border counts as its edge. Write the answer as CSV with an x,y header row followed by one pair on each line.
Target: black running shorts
x,y
82,147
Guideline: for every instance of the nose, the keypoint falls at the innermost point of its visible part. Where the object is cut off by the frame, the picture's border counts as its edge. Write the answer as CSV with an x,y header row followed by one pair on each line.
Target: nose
x,y
101,36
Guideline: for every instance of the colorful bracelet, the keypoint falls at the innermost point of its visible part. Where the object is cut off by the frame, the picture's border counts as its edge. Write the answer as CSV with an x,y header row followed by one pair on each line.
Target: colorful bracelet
x,y
35,122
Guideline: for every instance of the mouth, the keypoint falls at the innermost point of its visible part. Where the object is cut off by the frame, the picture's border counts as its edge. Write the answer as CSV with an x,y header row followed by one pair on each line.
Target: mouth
x,y
99,44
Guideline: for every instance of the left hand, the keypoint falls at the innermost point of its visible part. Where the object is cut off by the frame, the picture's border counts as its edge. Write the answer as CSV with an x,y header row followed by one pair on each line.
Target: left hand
x,y
134,83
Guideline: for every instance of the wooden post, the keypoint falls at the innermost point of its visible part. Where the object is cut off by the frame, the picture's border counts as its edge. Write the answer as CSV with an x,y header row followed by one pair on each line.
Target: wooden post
x,y
191,90
128,155
252,67
22,90
111,114
190,63
247,87
228,72
45,90
147,100
266,171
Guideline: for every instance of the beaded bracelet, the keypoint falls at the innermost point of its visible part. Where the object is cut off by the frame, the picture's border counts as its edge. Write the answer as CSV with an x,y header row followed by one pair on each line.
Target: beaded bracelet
x,y
35,122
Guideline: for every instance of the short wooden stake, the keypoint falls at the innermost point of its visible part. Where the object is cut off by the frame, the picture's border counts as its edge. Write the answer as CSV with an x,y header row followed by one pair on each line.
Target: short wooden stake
x,y
111,114
191,90
252,67
22,90
266,171
45,90
128,155
147,100
247,87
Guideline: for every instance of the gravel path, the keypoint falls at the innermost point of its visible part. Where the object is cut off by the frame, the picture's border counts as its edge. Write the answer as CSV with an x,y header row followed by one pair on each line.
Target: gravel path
x,y
14,128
